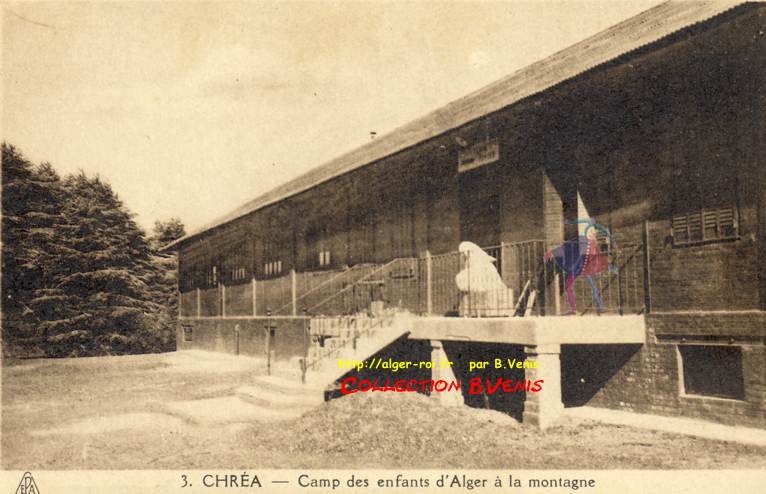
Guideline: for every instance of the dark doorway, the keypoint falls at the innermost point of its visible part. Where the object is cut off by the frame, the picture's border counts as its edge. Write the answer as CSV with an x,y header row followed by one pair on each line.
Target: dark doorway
x,y
480,206
585,369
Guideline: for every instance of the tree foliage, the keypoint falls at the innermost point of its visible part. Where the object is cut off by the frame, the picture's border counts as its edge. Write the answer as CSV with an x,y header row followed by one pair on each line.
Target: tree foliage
x,y
79,275
165,232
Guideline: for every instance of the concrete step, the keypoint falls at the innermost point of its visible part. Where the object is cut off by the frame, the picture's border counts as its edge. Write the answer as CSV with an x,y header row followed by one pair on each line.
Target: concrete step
x,y
278,400
227,410
285,385
322,378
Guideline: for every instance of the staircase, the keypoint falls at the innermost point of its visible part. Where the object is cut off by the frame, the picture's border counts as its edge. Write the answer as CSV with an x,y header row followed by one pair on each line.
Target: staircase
x,y
289,393
283,397
353,338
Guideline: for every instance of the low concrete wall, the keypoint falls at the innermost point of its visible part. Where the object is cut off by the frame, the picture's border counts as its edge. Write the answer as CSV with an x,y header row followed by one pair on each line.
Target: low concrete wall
x,y
219,335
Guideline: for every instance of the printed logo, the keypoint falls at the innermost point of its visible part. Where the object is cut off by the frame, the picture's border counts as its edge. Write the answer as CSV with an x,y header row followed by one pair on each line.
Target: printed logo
x,y
27,485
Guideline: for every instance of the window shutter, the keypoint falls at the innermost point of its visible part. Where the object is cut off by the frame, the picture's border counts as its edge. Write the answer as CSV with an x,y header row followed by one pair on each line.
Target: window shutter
x,y
705,225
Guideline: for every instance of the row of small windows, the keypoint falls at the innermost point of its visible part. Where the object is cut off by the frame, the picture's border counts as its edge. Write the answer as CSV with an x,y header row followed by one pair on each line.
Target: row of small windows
x,y
272,268
210,276
238,274
697,226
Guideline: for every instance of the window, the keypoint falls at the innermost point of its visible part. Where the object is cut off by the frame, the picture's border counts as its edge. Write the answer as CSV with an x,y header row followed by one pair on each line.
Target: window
x,y
273,251
210,277
187,333
712,370
705,202
705,225
272,268
238,274
235,259
317,253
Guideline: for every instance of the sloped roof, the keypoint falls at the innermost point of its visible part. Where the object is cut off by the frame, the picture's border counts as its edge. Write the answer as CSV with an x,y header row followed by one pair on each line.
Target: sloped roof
x,y
631,34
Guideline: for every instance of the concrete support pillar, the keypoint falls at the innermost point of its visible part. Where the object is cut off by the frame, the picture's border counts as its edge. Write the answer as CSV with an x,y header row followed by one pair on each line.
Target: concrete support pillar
x,y
544,408
223,300
199,303
441,370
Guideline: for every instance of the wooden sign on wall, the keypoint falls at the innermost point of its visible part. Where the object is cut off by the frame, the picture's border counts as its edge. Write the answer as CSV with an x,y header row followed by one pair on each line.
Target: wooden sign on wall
x,y
478,155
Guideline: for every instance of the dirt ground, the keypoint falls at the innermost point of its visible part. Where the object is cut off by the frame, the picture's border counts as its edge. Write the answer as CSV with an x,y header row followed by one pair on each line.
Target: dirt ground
x,y
108,413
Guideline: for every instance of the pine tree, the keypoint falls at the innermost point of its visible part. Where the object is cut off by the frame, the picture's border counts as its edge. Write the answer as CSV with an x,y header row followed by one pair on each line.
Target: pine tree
x,y
165,232
108,274
19,274
47,225
79,276
166,285
32,204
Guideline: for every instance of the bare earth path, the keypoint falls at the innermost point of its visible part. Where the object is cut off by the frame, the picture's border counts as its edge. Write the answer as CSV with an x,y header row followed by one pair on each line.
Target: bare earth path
x,y
109,413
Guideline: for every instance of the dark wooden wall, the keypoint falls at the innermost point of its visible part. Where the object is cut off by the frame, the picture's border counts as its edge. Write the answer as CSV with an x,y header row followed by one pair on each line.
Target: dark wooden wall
x,y
619,135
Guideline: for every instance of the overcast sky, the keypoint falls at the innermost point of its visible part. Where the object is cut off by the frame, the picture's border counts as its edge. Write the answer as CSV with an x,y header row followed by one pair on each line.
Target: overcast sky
x,y
191,109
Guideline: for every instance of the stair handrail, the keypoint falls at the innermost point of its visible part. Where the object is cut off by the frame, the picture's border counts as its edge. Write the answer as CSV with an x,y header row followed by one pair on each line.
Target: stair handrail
x,y
324,283
352,285
344,344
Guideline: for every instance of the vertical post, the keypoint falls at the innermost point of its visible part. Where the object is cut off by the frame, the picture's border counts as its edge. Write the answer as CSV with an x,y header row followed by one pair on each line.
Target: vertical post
x,y
506,295
223,300
620,295
294,291
647,270
530,302
236,336
180,303
556,291
467,255
429,285
199,303
441,370
354,334
307,345
269,343
541,278
255,300
539,287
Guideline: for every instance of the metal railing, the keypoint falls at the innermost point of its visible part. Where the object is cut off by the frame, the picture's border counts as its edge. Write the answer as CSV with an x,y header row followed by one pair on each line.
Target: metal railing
x,y
519,282
308,294
349,332
621,289
383,284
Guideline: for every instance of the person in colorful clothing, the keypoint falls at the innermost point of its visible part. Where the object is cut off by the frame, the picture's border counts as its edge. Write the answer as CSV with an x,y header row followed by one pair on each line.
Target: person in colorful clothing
x,y
582,256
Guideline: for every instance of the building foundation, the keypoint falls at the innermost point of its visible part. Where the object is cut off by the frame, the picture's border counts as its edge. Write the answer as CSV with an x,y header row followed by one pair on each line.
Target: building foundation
x,y
544,408
442,370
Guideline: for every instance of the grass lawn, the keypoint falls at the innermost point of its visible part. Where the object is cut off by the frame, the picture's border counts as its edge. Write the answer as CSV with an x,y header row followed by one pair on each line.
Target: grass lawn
x,y
108,413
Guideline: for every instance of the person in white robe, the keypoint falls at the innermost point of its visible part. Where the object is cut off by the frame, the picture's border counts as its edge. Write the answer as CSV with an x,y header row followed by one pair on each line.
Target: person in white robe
x,y
483,292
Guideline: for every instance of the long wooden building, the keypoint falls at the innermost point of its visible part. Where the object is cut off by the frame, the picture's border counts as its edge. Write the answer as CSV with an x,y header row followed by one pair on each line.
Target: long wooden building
x,y
654,128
